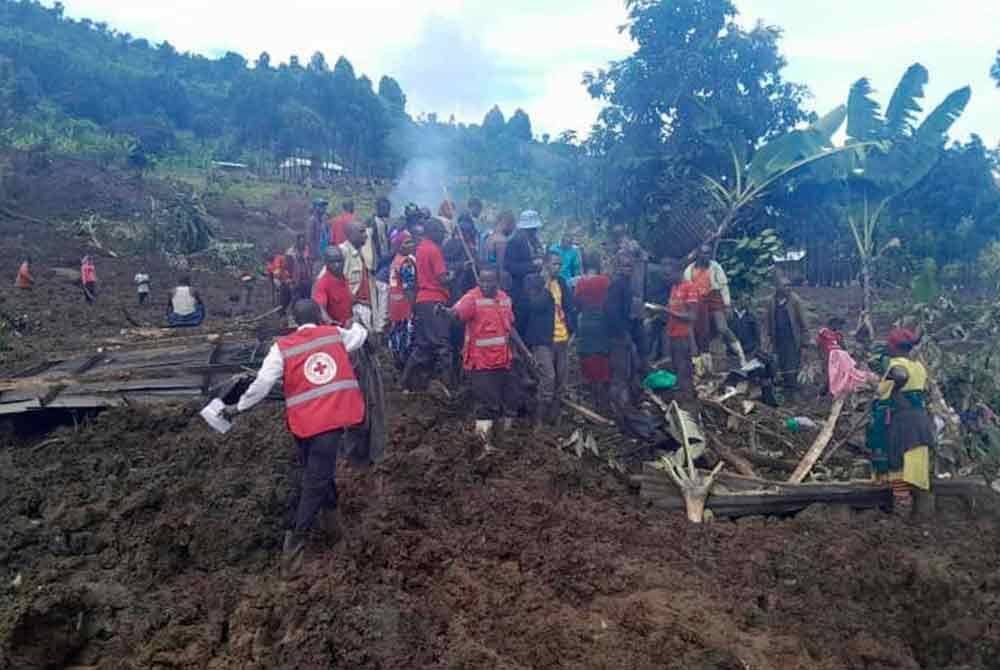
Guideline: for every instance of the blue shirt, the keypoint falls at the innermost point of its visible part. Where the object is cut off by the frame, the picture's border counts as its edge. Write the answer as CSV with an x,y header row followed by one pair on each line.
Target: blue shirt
x,y
571,261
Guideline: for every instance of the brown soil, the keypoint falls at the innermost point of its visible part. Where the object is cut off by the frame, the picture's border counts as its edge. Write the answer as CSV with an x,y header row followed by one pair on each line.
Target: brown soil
x,y
143,540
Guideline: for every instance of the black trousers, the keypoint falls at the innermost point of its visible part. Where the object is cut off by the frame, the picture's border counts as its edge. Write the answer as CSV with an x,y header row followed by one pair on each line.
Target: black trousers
x,y
683,366
318,483
431,345
496,393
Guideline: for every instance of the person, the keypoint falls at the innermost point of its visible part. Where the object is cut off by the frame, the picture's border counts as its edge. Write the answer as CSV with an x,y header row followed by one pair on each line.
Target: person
x,y
488,315
493,246
459,256
744,325
682,310
712,283
402,295
569,253
323,398
901,433
24,280
331,290
88,278
786,332
338,233
475,209
556,367
431,349
623,247
829,339
319,232
524,254
142,286
300,263
378,255
360,276
593,341
624,352
535,317
412,217
446,215
281,282
185,308
460,265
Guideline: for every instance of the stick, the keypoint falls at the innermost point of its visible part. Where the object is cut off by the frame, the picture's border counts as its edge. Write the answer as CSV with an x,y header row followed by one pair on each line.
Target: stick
x,y
816,450
265,314
588,413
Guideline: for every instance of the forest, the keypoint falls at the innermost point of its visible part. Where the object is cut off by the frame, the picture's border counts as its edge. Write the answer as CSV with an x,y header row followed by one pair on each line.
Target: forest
x,y
85,88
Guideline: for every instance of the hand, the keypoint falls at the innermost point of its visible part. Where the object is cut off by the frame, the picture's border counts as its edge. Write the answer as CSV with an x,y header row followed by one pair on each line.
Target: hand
x,y
229,412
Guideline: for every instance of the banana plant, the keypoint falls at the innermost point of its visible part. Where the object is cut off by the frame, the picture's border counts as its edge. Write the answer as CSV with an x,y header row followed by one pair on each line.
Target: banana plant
x,y
772,162
887,156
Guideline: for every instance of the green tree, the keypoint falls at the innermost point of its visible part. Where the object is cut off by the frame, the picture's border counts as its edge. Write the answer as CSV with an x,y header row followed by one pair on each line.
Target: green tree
x,y
519,126
697,85
995,70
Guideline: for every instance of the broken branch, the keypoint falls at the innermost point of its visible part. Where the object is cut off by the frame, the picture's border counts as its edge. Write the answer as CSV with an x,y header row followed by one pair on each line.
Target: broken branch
x,y
816,450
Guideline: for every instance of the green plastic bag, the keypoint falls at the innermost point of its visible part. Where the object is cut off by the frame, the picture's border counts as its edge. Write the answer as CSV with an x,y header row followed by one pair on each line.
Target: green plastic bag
x,y
660,380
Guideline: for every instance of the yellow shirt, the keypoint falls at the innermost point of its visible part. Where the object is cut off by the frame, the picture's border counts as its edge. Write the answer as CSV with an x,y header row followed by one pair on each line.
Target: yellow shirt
x,y
917,377
561,332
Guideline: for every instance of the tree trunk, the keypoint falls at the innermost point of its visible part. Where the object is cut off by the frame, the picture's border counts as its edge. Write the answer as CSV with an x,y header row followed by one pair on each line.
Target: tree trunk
x,y
865,320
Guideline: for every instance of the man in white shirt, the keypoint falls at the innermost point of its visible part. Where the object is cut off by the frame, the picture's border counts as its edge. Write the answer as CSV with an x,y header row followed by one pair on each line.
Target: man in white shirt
x,y
322,400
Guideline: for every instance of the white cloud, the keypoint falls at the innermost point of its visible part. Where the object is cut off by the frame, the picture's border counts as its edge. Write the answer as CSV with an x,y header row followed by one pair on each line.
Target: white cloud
x,y
531,53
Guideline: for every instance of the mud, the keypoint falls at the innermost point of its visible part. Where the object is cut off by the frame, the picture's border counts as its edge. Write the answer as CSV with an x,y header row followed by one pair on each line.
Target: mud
x,y
142,540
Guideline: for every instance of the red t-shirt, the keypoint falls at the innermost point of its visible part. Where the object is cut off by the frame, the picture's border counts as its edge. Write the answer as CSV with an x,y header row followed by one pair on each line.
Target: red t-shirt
x,y
334,295
430,267
592,291
684,297
337,234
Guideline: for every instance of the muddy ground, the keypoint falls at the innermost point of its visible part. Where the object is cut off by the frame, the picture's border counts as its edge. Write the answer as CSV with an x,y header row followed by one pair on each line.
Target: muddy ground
x,y
139,539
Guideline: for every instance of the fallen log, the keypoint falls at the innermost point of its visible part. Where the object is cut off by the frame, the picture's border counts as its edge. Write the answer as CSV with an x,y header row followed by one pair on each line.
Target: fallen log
x,y
819,444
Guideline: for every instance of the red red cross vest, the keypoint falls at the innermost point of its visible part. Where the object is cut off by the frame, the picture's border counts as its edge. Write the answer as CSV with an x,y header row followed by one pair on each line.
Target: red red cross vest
x,y
400,308
321,391
487,335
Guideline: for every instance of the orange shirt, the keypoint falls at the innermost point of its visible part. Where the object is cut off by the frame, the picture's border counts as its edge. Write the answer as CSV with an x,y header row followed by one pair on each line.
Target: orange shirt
x,y
702,280
684,297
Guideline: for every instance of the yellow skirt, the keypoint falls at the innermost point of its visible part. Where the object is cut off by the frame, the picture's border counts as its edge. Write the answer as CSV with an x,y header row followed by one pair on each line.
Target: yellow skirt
x,y
916,469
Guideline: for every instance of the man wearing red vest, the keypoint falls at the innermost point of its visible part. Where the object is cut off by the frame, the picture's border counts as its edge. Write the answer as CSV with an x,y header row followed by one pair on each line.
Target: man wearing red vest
x,y
322,399
489,328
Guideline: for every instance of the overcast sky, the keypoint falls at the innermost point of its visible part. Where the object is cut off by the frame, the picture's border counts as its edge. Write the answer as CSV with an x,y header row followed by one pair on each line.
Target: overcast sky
x,y
460,57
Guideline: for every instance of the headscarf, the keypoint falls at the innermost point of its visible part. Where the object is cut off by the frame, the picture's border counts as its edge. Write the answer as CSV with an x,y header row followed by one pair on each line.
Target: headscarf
x,y
397,238
902,339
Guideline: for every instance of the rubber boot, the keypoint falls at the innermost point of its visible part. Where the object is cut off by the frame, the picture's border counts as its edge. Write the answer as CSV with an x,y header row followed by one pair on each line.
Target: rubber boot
x,y
292,552
483,429
329,523
555,413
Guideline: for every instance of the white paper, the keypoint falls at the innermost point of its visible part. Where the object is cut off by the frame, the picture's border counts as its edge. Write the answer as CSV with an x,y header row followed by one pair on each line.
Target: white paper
x,y
212,414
